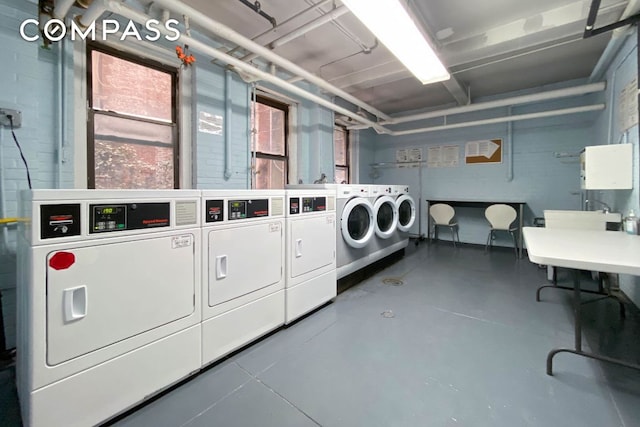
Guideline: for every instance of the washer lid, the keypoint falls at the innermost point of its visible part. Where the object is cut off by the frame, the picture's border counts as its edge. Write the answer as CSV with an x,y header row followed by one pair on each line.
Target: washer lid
x,y
386,215
356,223
406,212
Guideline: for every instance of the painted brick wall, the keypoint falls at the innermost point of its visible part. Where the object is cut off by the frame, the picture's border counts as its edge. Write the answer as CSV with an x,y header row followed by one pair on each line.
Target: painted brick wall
x,y
210,148
28,82
539,178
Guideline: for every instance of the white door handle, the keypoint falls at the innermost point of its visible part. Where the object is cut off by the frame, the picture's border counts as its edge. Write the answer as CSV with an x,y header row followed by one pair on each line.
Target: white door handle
x,y
75,303
221,266
298,248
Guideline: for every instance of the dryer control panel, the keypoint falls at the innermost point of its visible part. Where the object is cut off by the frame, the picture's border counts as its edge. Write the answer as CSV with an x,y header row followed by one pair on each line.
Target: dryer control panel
x,y
128,216
308,205
251,208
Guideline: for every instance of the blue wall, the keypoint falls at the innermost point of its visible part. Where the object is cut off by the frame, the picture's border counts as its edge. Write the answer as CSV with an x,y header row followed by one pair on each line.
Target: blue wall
x,y
539,177
622,70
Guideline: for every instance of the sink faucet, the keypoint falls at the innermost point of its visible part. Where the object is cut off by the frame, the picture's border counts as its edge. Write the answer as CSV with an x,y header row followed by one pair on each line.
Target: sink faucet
x,y
606,208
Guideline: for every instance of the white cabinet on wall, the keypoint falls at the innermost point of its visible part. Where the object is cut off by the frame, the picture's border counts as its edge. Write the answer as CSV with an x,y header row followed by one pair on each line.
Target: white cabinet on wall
x,y
606,167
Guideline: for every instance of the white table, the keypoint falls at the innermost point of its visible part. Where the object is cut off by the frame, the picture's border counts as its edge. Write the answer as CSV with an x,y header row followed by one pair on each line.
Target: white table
x,y
591,250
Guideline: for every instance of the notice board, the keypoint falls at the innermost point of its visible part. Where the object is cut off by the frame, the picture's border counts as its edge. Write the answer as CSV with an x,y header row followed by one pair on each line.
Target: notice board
x,y
483,152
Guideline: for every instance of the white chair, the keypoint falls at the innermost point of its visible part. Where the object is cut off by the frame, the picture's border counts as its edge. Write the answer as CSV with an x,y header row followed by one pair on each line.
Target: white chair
x,y
501,217
442,215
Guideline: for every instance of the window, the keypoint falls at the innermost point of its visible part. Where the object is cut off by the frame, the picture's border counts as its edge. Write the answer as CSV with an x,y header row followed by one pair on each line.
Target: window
x,y
269,119
341,151
132,122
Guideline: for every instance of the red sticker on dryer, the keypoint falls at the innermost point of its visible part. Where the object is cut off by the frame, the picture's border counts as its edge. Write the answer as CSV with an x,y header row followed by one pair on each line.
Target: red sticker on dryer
x,y
62,260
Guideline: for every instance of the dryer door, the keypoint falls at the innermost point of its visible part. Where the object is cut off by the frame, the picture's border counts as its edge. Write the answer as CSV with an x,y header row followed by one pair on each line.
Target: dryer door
x,y
244,259
312,242
386,216
406,212
103,294
357,222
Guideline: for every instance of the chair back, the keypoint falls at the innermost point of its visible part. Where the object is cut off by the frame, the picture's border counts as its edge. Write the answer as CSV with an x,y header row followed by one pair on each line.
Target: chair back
x,y
500,216
441,213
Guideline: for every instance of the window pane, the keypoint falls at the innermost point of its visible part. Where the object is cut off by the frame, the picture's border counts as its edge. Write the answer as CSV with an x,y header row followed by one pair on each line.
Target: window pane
x,y
340,144
270,127
270,173
129,88
126,166
342,175
132,154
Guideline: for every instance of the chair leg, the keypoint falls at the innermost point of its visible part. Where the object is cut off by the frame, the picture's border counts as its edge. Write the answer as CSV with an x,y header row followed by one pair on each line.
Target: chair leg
x,y
515,245
453,237
486,246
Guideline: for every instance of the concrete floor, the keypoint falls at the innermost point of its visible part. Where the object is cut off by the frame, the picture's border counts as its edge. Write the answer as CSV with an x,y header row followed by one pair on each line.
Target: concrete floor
x,y
461,342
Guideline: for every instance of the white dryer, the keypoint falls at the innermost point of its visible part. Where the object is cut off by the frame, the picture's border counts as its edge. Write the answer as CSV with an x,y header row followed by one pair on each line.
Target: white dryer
x,y
406,210
387,239
311,250
108,300
242,268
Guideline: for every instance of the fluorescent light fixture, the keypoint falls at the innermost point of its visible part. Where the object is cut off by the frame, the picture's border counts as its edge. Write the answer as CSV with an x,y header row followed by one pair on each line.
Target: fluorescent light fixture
x,y
389,21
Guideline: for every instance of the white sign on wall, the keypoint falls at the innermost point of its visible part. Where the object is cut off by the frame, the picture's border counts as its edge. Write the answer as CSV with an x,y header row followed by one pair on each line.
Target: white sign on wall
x,y
443,156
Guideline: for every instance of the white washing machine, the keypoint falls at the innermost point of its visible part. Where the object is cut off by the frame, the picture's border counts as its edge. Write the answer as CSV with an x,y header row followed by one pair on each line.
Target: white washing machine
x,y
108,300
311,250
406,210
387,239
243,268
357,228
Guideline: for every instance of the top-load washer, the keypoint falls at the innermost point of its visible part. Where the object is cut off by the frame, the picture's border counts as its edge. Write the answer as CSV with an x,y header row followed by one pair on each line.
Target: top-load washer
x,y
387,239
243,268
311,250
406,210
108,300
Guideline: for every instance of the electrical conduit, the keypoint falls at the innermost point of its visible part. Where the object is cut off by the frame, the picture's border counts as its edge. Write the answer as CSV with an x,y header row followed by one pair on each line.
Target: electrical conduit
x,y
228,110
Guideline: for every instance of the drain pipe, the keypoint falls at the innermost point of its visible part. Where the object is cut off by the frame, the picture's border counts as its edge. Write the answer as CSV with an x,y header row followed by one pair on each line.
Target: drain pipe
x,y
3,197
228,110
509,148
303,29
61,116
197,45
227,33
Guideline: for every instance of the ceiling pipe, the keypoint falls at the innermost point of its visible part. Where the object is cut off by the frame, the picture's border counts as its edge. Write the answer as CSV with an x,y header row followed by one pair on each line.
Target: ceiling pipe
x,y
227,33
516,118
62,8
523,99
97,8
286,21
134,15
303,29
257,8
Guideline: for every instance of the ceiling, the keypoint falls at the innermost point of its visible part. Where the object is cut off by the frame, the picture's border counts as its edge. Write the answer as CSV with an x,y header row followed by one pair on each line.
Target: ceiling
x,y
490,47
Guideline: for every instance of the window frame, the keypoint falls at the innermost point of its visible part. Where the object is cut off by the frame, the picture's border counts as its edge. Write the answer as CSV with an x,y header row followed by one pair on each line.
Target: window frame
x,y
347,151
91,112
262,155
